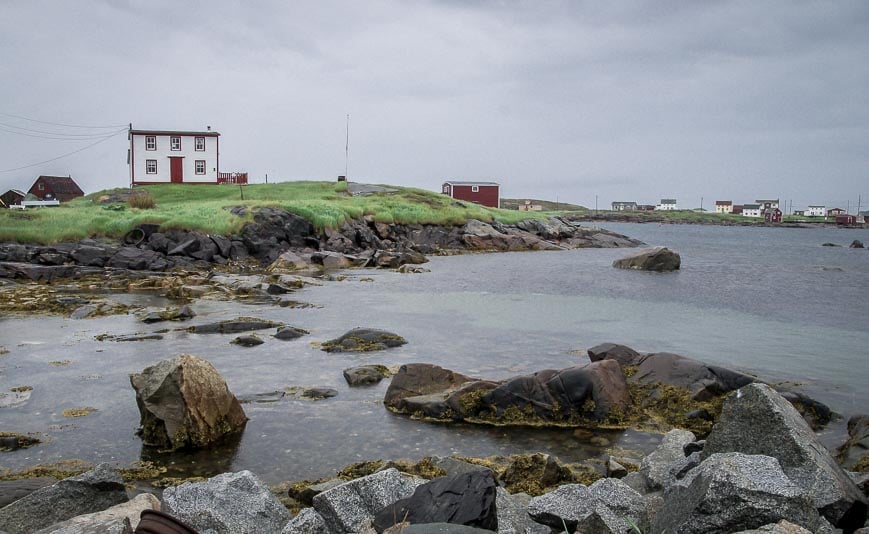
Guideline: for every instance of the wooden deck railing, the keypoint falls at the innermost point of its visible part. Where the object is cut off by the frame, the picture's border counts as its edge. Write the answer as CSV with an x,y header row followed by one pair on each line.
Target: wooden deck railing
x,y
232,177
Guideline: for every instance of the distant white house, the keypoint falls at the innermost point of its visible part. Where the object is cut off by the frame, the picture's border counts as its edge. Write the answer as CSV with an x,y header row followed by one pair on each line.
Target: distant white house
x,y
667,204
816,211
624,206
752,210
768,203
723,206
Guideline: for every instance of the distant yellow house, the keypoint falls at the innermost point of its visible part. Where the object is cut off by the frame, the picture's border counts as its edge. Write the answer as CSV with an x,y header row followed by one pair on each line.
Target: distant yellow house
x,y
723,206
529,205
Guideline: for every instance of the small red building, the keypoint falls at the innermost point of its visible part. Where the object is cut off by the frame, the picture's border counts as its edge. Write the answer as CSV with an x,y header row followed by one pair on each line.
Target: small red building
x,y
772,215
846,220
483,193
13,197
60,188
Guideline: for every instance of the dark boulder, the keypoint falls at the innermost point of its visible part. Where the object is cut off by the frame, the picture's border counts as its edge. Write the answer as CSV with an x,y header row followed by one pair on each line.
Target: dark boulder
x,y
233,326
858,436
90,255
816,413
250,340
757,420
364,340
185,403
92,491
414,379
659,259
137,259
463,499
366,375
612,351
287,333
702,380
856,244
182,313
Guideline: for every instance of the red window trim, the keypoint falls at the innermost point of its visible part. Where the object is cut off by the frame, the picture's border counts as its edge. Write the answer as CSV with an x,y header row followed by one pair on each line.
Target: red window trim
x,y
148,171
196,166
152,137
172,143
196,141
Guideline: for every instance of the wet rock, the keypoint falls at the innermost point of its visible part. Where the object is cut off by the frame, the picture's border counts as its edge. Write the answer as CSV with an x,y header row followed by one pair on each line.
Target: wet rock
x,y
307,494
757,420
366,374
181,313
533,473
731,492
271,396
319,393
136,337
137,259
464,499
831,245
412,269
816,413
234,326
227,503
351,507
45,273
452,466
119,519
91,256
307,521
858,435
414,379
184,402
658,259
612,351
856,244
364,340
702,380
614,469
83,312
89,492
655,467
287,333
392,259
251,340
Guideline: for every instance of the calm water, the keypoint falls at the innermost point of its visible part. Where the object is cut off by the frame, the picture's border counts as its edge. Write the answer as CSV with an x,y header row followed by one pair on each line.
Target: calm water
x,y
766,300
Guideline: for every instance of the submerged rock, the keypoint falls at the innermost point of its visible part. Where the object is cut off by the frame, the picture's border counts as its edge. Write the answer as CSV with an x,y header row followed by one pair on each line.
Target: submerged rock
x,y
366,374
287,333
659,259
364,340
234,326
251,340
184,402
182,313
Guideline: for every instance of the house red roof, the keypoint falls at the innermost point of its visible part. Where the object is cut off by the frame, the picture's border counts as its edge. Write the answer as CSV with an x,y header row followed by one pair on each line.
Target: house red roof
x,y
62,185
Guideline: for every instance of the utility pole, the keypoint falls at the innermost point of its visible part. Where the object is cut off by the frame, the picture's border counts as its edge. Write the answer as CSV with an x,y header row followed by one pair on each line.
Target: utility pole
x,y
701,204
347,150
267,177
595,204
859,203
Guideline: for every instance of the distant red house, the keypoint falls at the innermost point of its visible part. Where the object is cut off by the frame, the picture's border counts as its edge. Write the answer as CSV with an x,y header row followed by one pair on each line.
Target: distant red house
x,y
846,220
483,193
61,188
11,198
737,209
772,215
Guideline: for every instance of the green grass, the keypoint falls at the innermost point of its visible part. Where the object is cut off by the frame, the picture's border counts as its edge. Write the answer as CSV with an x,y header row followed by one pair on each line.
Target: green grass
x,y
206,208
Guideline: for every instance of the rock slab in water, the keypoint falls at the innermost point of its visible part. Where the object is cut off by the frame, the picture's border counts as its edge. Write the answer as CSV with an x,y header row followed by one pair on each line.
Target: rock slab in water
x,y
119,519
364,340
365,375
287,333
757,420
732,492
856,244
658,259
184,402
89,492
227,504
351,507
234,326
463,499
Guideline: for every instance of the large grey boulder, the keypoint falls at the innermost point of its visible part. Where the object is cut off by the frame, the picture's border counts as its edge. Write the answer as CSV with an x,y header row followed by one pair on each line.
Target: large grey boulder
x,y
655,467
351,507
185,403
229,503
92,491
119,519
732,492
513,514
659,259
307,521
607,506
757,420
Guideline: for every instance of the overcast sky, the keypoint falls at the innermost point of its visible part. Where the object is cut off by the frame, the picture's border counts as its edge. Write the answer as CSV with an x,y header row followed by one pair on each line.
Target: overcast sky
x,y
569,100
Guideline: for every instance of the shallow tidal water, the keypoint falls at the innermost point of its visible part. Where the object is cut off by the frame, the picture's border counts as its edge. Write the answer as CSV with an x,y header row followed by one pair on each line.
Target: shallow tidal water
x,y
770,301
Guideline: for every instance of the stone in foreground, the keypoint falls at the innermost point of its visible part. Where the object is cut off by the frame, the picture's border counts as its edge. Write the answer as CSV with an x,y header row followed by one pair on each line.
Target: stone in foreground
x,y
226,504
307,521
658,259
89,492
464,499
732,492
757,420
605,507
185,403
119,519
364,340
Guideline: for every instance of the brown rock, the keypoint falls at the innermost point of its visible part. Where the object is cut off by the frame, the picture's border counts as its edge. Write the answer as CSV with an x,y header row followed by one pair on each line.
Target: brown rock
x,y
415,379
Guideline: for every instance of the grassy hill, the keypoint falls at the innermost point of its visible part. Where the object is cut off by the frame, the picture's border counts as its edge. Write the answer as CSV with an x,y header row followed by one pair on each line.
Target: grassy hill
x,y
207,208
514,203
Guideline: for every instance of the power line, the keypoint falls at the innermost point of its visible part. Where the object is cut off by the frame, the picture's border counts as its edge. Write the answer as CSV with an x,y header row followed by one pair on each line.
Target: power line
x,y
64,155
58,134
82,137
62,124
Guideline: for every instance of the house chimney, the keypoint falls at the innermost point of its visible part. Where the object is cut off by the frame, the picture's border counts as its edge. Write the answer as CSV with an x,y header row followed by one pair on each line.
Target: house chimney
x,y
209,128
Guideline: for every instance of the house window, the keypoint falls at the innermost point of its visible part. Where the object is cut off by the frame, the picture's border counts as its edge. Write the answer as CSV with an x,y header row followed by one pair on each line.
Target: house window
x,y
41,186
200,166
199,144
175,142
150,142
151,166
475,189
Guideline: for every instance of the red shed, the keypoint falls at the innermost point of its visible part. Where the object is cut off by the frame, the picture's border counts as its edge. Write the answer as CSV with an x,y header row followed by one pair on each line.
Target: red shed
x,y
62,188
846,220
772,215
483,193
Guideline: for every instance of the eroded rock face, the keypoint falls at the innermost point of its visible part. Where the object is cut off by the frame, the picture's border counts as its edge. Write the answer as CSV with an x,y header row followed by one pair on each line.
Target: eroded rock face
x,y
415,379
757,420
702,380
184,402
658,259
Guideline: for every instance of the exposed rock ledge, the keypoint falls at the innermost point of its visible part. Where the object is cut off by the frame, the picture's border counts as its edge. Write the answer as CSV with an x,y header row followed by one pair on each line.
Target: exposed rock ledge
x,y
362,242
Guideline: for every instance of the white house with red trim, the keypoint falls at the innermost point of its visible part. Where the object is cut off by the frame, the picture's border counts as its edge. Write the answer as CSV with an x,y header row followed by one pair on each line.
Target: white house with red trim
x,y
177,157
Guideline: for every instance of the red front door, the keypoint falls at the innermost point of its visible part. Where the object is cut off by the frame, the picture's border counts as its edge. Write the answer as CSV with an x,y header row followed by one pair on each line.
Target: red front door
x,y
176,170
